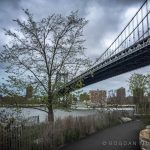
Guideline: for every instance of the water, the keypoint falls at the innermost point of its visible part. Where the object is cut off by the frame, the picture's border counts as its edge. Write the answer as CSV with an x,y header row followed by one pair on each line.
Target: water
x,y
58,113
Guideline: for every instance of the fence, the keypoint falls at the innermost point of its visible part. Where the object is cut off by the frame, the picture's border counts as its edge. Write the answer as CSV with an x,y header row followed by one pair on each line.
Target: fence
x,y
51,136
143,108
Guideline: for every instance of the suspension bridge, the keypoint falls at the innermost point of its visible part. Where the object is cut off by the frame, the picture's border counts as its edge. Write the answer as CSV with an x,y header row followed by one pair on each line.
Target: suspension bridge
x,y
129,51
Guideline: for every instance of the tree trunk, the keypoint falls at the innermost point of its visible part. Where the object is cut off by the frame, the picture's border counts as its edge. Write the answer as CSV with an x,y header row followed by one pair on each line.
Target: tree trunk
x,y
50,113
50,107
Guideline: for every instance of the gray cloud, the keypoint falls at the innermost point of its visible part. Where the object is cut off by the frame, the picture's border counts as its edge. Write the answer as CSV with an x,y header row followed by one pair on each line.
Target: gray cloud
x,y
106,22
9,9
13,3
106,19
105,16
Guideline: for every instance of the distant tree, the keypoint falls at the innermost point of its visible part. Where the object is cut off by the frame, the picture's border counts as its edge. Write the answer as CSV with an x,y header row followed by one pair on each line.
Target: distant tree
x,y
84,97
40,50
68,100
137,81
138,95
139,85
13,86
148,85
73,98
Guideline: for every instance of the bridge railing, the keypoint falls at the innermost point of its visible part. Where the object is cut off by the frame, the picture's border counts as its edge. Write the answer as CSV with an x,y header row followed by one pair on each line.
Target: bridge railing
x,y
136,30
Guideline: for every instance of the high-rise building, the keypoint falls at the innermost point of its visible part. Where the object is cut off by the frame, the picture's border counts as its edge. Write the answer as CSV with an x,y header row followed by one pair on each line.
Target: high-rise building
x,y
98,97
111,93
112,97
121,94
29,92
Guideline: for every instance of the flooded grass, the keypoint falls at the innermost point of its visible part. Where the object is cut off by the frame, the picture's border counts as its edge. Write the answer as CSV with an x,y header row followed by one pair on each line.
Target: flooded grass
x,y
53,135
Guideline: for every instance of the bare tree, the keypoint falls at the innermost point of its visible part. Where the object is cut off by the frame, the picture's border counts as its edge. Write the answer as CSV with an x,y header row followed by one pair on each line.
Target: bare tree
x,y
40,50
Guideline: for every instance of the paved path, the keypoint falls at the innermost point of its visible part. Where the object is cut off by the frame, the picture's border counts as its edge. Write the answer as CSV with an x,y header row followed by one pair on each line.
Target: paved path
x,y
121,137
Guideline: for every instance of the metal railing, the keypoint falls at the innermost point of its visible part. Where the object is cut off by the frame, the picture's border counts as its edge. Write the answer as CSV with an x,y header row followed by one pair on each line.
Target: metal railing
x,y
136,30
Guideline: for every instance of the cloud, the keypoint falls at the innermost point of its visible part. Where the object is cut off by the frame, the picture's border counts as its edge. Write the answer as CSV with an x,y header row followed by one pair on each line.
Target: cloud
x,y
105,16
8,10
106,20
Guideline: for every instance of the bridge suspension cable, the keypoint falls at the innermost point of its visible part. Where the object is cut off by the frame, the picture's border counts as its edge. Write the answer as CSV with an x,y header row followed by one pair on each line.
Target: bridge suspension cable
x,y
137,29
134,37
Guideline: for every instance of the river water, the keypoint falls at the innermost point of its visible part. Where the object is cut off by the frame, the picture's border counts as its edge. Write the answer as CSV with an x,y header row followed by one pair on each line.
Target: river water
x,y
58,113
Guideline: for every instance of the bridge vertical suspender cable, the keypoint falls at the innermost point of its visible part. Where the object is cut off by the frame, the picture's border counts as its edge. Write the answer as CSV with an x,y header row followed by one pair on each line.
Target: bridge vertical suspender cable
x,y
138,24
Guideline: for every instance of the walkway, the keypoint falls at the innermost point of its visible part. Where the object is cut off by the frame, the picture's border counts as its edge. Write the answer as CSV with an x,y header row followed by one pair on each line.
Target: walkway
x,y
121,137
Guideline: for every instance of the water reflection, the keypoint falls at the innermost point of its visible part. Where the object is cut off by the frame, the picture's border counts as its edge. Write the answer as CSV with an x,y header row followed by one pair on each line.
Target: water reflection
x,y
58,113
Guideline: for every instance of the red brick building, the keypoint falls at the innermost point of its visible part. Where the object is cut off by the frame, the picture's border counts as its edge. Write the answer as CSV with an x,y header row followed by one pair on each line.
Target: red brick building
x,y
98,97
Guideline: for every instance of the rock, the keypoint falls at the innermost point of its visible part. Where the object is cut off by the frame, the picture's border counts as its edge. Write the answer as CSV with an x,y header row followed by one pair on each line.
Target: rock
x,y
144,139
125,119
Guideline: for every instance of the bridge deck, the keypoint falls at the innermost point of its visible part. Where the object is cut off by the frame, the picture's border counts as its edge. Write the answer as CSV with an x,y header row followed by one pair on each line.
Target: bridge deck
x,y
129,51
136,56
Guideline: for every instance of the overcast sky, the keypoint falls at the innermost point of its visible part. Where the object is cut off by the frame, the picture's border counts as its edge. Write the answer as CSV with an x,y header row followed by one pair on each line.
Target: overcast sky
x,y
106,20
